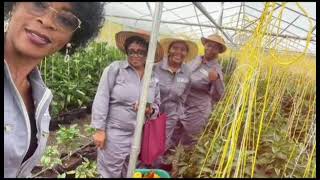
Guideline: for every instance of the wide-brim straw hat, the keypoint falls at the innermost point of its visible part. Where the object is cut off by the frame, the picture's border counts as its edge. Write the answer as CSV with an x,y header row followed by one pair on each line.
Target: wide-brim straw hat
x,y
193,48
122,36
215,38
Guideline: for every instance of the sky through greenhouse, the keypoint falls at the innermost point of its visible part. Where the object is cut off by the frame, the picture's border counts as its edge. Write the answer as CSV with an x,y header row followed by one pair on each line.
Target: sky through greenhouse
x,y
236,19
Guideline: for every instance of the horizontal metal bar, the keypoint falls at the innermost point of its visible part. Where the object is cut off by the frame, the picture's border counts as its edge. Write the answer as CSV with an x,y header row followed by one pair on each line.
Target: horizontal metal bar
x,y
297,12
209,13
280,19
283,30
211,26
274,25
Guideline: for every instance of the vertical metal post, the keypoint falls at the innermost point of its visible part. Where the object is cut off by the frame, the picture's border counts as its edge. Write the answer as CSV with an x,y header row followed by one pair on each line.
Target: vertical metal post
x,y
243,15
195,10
149,7
239,15
135,148
221,14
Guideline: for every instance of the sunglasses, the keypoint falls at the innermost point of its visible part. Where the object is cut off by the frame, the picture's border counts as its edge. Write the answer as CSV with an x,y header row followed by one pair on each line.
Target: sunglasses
x,y
140,54
63,19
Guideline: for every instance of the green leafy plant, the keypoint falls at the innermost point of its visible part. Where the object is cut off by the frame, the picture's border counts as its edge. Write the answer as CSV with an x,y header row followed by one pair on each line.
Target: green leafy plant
x,y
69,138
74,82
284,146
63,175
88,169
51,157
89,130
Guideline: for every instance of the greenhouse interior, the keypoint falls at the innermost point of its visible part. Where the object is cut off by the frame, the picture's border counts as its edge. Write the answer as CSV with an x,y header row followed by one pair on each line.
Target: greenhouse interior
x,y
264,126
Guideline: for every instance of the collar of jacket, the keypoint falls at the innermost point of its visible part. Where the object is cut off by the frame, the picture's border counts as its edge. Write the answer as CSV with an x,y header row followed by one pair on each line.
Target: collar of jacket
x,y
165,66
36,82
211,62
125,64
195,64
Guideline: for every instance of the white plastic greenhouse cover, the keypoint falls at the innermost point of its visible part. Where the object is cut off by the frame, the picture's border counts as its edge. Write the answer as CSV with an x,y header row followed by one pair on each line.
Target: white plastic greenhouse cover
x,y
185,18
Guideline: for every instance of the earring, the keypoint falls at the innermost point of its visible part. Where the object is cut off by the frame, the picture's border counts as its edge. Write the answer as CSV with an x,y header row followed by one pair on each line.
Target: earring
x,y
67,56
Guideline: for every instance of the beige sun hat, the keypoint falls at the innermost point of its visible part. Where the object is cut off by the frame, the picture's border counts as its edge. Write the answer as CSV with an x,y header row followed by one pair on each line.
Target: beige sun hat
x,y
193,48
122,36
215,38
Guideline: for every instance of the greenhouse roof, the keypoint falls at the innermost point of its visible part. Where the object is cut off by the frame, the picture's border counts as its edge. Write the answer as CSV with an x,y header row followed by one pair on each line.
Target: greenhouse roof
x,y
236,20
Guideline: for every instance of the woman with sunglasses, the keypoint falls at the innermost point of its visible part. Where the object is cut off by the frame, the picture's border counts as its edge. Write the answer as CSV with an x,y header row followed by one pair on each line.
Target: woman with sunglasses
x,y
33,31
114,109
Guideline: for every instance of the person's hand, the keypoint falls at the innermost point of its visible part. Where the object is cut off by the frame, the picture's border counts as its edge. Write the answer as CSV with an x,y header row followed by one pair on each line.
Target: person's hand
x,y
149,110
99,139
135,106
213,75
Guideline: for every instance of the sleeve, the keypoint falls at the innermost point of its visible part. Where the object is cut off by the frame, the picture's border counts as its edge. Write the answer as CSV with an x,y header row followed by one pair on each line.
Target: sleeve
x,y
217,87
187,91
157,101
184,99
100,106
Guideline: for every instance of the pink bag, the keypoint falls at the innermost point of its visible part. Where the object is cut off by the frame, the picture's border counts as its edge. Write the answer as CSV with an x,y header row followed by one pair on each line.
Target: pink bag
x,y
153,140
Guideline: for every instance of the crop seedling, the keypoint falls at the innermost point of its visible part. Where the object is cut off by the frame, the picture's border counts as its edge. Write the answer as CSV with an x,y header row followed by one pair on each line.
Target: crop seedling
x,y
51,157
88,169
68,138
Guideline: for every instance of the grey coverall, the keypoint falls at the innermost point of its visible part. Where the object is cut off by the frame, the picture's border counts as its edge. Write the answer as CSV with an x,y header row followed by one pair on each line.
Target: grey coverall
x,y
113,111
174,89
203,95
17,131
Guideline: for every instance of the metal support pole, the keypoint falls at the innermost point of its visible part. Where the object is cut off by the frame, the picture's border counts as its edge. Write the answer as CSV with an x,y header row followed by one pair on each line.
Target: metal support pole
x,y
211,26
205,12
149,7
251,23
243,15
195,10
236,32
297,11
239,15
179,7
283,30
221,14
135,148
215,11
277,18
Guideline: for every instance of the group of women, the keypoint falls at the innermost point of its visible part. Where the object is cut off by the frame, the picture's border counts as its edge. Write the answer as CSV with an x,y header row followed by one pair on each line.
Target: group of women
x,y
183,85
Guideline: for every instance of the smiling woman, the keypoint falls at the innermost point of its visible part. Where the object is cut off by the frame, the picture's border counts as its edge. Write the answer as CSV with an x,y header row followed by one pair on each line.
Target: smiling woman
x,y
114,109
33,31
174,80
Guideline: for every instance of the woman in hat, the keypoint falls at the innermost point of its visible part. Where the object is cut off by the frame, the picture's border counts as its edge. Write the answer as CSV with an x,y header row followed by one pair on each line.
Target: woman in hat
x,y
114,110
207,87
33,31
174,79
